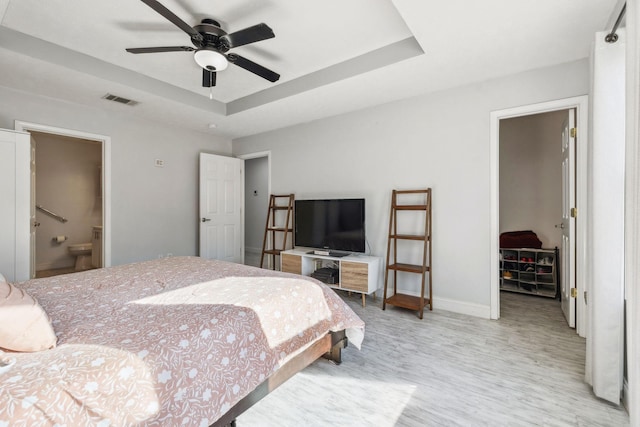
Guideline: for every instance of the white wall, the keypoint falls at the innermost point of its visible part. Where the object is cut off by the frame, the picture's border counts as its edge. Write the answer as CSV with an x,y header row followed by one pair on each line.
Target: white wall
x,y
438,140
154,210
531,175
67,183
256,202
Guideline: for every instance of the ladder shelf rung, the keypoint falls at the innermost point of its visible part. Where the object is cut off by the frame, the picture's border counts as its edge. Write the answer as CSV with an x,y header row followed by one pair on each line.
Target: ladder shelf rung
x,y
273,251
411,207
409,268
421,191
280,229
421,237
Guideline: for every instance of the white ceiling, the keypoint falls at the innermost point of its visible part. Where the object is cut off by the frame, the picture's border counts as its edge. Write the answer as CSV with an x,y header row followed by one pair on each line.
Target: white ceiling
x,y
333,56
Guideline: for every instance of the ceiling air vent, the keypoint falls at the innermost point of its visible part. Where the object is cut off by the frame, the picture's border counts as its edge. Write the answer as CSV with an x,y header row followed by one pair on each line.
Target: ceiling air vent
x,y
120,99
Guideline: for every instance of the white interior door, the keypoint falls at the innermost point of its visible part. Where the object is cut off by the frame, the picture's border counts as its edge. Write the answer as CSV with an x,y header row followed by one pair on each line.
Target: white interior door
x,y
221,201
568,249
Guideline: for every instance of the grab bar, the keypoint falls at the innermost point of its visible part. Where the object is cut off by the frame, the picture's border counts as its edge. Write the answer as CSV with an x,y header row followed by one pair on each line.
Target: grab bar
x,y
55,215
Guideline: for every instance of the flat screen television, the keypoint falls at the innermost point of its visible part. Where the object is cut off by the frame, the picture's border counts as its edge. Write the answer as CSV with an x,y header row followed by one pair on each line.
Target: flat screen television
x,y
333,224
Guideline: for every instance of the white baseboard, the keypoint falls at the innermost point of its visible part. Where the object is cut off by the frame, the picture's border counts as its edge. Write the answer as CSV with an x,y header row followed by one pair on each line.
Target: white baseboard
x,y
470,309
625,395
455,306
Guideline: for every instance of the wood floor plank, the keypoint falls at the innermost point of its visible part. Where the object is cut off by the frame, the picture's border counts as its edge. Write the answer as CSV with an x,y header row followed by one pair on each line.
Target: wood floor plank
x,y
526,369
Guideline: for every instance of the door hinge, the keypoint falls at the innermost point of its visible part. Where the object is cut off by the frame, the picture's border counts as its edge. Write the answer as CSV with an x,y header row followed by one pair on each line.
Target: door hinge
x,y
574,212
573,132
574,292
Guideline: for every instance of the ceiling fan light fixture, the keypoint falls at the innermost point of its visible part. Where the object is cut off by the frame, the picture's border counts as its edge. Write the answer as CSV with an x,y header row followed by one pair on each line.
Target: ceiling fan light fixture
x,y
211,60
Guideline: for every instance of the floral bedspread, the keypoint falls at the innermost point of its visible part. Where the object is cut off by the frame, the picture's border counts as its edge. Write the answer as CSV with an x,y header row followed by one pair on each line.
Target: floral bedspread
x,y
168,342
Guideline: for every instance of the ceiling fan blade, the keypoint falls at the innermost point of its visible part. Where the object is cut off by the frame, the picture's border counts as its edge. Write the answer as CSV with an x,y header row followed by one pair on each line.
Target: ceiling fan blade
x,y
160,49
257,69
248,35
155,5
208,78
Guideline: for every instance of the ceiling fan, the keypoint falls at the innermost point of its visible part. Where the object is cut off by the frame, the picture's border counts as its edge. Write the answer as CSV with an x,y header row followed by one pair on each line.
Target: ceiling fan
x,y
212,44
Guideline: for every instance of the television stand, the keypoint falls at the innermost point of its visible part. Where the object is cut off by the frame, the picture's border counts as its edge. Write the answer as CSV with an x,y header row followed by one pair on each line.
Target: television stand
x,y
360,274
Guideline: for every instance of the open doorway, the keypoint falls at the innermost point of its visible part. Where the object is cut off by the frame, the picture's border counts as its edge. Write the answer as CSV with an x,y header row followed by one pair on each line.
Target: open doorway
x,y
532,233
68,201
580,104
100,172
257,184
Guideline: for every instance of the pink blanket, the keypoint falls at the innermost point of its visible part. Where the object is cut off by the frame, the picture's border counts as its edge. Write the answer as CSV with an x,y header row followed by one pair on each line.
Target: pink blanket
x,y
176,341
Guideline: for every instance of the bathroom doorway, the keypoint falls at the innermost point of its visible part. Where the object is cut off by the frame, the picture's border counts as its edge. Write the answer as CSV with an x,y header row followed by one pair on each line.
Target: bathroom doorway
x,y
69,204
102,141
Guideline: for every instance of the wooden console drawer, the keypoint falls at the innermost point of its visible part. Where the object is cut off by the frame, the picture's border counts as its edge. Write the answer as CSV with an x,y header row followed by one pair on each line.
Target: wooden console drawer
x,y
354,276
291,264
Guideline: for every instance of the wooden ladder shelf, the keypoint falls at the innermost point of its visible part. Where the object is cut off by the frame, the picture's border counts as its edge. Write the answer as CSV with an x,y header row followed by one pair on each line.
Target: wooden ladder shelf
x,y
422,205
278,229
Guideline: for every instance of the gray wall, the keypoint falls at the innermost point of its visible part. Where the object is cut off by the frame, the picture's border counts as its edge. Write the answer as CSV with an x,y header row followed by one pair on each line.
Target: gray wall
x,y
154,210
439,140
531,175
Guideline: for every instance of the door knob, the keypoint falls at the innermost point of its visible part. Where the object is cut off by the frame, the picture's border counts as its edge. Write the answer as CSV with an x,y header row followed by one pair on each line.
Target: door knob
x,y
559,225
206,219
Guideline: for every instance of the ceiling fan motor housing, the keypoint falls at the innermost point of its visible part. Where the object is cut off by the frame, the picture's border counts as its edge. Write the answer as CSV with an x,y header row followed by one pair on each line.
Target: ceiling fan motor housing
x,y
211,33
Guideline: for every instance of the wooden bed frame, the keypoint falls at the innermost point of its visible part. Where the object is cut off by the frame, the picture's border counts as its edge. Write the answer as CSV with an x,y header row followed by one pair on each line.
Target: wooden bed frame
x,y
330,347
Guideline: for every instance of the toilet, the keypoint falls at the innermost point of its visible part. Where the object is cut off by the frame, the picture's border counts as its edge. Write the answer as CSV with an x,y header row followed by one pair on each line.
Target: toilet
x,y
82,252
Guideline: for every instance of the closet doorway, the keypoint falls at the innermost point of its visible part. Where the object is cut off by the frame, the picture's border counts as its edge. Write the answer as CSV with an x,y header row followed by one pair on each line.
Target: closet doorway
x,y
531,202
527,187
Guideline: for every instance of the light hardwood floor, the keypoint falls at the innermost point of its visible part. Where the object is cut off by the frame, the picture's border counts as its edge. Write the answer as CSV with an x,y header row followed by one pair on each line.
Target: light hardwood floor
x,y
526,369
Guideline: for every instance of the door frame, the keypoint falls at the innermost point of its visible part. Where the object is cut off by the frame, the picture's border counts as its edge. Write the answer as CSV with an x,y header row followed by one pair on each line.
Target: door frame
x,y
105,141
581,104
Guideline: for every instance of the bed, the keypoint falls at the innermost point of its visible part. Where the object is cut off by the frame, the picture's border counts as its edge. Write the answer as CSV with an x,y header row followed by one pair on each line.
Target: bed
x,y
176,341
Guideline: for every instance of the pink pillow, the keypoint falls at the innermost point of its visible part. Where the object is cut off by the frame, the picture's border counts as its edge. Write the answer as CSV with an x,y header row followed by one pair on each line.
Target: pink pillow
x,y
24,325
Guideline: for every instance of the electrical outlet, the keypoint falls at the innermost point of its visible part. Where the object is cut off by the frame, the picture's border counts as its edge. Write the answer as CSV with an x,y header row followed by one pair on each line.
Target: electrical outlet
x,y
159,163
